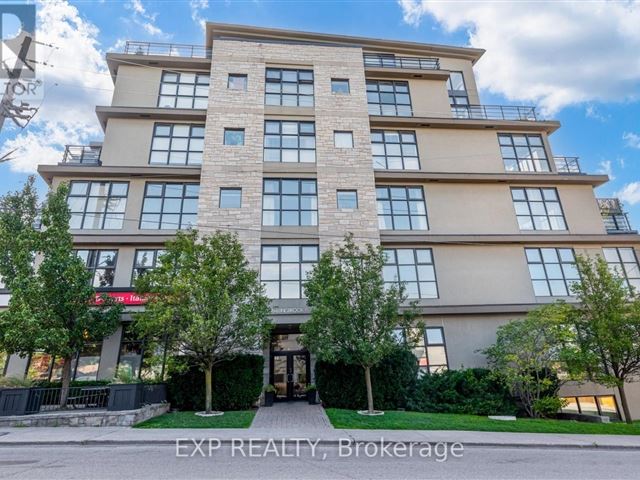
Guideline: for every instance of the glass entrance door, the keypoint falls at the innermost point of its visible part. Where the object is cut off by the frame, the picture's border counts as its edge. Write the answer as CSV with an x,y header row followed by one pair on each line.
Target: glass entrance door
x,y
290,372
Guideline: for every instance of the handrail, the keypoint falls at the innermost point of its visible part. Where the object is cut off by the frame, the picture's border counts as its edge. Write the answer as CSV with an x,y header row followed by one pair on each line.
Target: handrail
x,y
614,217
567,164
392,61
166,49
495,112
82,154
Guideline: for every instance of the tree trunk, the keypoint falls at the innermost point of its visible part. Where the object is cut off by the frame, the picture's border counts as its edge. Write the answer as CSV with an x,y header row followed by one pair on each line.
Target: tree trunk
x,y
625,403
207,379
66,381
367,381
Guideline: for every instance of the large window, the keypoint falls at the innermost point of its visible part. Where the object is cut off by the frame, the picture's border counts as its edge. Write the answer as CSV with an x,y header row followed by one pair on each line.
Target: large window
x,y
523,153
413,268
429,347
177,144
401,208
623,262
289,88
84,364
592,405
87,362
284,269
170,206
289,142
97,205
289,202
130,354
458,97
101,264
184,90
538,209
145,261
553,271
394,150
388,98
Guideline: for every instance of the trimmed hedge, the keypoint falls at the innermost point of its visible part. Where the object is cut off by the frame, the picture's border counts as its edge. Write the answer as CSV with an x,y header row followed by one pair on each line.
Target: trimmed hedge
x,y
342,386
475,391
237,384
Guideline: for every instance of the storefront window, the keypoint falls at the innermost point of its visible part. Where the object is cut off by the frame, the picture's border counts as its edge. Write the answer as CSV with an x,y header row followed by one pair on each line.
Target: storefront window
x,y
88,362
39,366
593,405
130,358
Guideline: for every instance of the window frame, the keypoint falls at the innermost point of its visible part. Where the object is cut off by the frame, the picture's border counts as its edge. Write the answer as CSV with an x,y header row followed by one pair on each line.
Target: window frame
x,y
301,127
229,189
157,252
529,146
457,97
301,280
621,265
300,194
346,191
395,265
232,131
379,111
407,199
567,282
196,83
400,133
281,93
335,81
576,399
163,198
343,132
171,137
243,76
92,263
112,216
544,203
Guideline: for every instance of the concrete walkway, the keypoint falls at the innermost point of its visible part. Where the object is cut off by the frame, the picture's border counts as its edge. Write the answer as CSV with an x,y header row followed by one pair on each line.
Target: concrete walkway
x,y
291,416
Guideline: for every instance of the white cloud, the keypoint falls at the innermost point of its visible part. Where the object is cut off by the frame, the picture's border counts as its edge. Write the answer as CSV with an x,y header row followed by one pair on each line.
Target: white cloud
x,y
630,193
196,7
606,168
632,139
554,54
145,19
76,81
592,112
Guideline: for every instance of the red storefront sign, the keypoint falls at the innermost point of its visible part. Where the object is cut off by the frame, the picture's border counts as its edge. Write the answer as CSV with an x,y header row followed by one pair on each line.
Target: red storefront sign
x,y
127,298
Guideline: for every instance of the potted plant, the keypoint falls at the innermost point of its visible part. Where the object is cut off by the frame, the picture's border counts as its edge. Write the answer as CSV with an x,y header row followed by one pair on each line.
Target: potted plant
x,y
312,394
269,395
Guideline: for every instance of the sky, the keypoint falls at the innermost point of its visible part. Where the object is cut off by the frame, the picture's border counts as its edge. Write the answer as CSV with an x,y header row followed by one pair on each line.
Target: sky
x,y
579,62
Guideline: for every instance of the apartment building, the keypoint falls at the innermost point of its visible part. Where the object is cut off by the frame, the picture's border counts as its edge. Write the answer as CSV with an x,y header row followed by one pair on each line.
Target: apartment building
x,y
293,139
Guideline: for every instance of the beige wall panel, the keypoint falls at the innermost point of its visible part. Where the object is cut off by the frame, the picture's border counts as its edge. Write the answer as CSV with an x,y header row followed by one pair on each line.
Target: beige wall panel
x,y
127,142
429,98
136,86
464,66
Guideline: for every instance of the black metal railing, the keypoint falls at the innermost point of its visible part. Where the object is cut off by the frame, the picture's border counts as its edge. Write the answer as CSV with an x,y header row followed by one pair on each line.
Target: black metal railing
x,y
80,398
82,154
392,61
495,112
614,217
567,164
167,49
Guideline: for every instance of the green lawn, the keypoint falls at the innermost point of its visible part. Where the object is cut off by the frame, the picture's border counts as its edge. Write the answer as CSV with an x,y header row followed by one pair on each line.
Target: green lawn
x,y
237,419
396,420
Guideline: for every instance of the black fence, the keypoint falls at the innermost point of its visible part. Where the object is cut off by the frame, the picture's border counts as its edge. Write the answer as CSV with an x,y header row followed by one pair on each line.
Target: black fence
x,y
81,398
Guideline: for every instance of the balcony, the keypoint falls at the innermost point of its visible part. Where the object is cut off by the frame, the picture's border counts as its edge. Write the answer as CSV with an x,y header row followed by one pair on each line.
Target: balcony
x,y
375,60
567,164
495,112
167,49
614,218
82,155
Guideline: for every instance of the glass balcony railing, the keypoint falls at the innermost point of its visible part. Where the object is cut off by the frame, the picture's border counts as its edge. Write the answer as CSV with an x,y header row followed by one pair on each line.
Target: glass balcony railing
x,y
378,60
567,164
167,49
495,112
614,217
82,154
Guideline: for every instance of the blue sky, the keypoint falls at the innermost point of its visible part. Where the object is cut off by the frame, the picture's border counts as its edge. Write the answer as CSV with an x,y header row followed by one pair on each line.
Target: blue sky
x,y
580,65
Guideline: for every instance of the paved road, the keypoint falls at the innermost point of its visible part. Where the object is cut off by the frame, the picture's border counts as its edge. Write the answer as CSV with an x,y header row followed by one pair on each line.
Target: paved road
x,y
160,462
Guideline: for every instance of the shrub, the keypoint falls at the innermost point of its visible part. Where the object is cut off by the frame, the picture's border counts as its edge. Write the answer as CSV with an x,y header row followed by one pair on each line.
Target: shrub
x,y
342,386
475,391
237,384
549,406
15,382
74,383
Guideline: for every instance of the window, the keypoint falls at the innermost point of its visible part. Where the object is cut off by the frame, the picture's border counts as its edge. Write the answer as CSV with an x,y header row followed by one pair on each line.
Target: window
x,y
388,98
237,81
347,199
553,271
623,262
401,208
170,206
394,150
289,88
458,97
230,197
289,202
340,86
101,264
413,267
130,354
43,367
284,269
429,348
289,142
177,144
343,139
605,405
97,205
184,90
523,153
145,261
538,209
234,136
84,364
88,362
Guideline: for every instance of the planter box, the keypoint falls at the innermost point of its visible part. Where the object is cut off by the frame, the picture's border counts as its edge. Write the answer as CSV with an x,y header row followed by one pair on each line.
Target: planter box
x,y
154,393
125,396
312,397
269,397
14,401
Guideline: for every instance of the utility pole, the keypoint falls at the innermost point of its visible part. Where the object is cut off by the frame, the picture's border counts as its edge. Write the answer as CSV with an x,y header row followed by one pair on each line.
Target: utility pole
x,y
7,107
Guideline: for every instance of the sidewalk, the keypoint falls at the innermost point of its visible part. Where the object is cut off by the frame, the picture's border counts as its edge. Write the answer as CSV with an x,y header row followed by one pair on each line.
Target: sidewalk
x,y
131,436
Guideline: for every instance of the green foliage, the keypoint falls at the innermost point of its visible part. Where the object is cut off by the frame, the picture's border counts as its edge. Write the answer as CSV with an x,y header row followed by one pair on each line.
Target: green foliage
x,y
607,322
15,382
206,300
74,383
548,406
474,391
236,384
269,389
125,377
239,419
528,353
342,385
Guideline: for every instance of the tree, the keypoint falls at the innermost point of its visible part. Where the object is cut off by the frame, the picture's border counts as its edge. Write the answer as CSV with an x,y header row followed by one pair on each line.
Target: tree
x,y
206,300
52,306
607,325
352,314
528,355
